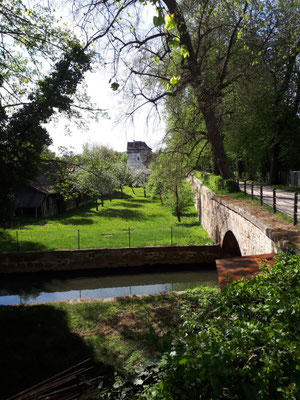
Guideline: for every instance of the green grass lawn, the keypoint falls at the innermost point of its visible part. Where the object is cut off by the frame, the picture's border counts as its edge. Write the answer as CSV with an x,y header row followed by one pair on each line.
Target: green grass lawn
x,y
38,341
134,220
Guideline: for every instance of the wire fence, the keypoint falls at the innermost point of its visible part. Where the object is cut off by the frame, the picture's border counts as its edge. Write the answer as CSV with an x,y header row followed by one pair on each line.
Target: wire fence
x,y
41,238
280,201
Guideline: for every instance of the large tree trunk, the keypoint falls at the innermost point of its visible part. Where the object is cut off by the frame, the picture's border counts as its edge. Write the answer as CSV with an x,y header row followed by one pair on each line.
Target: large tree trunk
x,y
216,141
274,164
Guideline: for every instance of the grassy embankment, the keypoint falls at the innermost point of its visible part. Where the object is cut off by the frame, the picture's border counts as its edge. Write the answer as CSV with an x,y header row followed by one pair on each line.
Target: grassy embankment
x,y
243,345
37,341
149,223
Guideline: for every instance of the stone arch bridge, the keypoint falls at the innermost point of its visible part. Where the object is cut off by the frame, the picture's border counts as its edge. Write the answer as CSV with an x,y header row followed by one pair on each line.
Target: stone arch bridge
x,y
235,229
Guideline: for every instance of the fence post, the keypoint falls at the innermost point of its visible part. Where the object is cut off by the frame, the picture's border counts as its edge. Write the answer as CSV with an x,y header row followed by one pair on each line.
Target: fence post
x,y
17,233
274,200
78,240
171,236
252,188
295,208
261,195
245,187
128,237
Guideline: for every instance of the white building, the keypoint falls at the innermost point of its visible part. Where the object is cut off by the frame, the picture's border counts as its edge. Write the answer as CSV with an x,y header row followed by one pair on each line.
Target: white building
x,y
138,154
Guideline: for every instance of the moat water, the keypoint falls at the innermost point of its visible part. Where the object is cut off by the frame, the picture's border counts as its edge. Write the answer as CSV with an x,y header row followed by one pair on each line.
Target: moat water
x,y
16,289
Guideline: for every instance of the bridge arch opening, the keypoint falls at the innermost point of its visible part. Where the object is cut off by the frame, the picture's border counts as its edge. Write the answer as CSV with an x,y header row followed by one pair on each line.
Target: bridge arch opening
x,y
230,245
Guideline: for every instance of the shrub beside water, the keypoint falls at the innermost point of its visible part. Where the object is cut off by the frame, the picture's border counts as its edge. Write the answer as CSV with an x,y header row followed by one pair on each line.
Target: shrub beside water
x,y
242,343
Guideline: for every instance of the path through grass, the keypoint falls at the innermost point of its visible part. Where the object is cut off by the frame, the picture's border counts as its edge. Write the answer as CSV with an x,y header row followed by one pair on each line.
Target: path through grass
x,y
134,220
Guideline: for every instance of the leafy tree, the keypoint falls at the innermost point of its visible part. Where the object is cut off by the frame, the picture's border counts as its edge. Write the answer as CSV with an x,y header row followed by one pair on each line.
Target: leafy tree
x,y
28,38
186,134
140,178
155,184
94,174
263,133
124,175
179,199
22,134
167,181
205,47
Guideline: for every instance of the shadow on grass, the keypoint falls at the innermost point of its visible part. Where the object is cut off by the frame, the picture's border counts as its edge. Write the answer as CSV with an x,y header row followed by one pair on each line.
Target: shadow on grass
x,y
9,243
152,326
130,205
83,211
26,245
125,196
36,343
123,214
189,215
141,200
187,224
78,221
141,324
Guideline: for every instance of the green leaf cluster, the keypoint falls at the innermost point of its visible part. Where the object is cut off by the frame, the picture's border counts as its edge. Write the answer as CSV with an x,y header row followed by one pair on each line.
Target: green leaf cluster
x,y
23,136
216,183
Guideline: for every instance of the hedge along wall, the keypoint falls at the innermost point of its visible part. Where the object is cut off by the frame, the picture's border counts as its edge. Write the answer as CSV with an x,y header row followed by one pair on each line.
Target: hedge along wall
x,y
72,260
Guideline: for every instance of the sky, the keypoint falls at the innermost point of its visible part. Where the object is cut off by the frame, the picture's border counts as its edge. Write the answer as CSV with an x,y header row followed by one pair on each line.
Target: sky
x,y
106,131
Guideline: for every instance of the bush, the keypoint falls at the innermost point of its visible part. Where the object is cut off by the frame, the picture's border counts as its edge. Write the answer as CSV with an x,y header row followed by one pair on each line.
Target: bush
x,y
217,184
231,186
244,344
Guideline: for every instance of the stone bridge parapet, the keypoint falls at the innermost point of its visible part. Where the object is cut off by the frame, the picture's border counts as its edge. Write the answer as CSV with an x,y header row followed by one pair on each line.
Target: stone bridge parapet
x,y
235,229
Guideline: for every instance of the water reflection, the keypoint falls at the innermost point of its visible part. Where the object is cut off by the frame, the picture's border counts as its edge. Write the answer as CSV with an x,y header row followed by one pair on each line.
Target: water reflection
x,y
62,287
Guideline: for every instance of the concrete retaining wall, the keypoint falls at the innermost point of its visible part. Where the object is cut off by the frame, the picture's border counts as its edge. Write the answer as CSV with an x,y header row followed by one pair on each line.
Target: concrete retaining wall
x,y
71,260
219,217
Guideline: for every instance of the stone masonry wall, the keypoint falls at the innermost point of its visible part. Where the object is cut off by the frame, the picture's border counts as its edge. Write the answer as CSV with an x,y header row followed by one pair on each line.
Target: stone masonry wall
x,y
67,260
218,217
